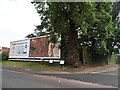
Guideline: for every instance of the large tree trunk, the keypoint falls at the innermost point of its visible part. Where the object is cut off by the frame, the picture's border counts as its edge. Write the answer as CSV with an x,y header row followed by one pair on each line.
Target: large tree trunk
x,y
85,55
94,58
63,47
72,58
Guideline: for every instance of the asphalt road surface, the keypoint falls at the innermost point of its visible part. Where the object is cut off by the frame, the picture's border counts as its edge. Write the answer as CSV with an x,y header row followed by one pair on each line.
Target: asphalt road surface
x,y
12,79
111,78
94,78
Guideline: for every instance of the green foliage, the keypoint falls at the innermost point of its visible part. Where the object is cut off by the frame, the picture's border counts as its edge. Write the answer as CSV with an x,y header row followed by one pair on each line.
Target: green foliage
x,y
116,10
116,19
30,35
92,21
103,48
99,28
33,65
5,55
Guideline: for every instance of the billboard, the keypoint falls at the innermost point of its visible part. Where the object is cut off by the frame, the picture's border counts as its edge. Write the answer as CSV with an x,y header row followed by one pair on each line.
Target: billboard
x,y
19,49
38,47
41,47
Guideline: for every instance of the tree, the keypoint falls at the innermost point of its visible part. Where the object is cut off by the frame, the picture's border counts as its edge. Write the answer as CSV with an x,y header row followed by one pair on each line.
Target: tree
x,y
116,20
116,10
91,21
60,24
30,35
67,19
100,30
5,56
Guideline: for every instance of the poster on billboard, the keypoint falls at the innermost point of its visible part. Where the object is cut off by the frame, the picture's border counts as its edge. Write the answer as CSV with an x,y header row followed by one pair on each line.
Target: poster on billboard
x,y
53,50
19,49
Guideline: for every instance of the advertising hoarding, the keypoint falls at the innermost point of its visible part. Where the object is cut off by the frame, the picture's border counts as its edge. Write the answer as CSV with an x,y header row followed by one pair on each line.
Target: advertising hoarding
x,y
34,48
19,49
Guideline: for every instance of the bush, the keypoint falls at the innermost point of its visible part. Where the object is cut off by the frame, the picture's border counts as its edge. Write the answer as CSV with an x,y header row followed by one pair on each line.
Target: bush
x,y
0,56
5,55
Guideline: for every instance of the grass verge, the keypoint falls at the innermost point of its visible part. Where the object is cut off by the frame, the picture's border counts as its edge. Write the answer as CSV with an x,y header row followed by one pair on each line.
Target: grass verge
x,y
31,64
57,66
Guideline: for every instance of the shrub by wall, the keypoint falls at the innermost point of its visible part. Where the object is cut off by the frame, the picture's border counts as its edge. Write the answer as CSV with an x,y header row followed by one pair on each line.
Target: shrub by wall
x,y
5,55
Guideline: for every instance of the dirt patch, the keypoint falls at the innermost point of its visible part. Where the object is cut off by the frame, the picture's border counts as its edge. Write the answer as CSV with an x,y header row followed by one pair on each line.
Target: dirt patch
x,y
92,68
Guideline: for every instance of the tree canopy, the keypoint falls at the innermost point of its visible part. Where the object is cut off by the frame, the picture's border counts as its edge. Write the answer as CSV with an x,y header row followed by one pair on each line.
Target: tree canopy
x,y
90,22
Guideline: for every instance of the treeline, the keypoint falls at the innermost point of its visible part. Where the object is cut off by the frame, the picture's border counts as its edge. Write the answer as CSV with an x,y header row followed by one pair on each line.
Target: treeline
x,y
86,31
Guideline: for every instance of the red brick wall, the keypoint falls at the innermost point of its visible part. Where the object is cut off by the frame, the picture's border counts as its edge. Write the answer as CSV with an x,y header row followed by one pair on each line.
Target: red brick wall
x,y
41,47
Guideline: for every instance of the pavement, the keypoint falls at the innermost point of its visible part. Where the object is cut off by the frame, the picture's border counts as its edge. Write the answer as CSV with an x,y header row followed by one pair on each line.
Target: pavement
x,y
105,75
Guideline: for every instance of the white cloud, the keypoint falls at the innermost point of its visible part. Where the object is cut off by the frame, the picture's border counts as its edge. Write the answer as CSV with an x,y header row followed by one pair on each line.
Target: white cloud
x,y
17,19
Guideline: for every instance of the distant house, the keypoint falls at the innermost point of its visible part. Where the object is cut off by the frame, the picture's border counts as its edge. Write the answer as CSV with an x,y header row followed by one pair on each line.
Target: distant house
x,y
4,49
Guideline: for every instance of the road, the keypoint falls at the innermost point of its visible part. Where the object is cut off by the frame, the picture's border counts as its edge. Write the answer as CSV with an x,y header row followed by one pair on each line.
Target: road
x,y
107,78
13,79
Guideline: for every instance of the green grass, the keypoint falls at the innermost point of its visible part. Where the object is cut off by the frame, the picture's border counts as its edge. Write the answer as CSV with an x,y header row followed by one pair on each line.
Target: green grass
x,y
31,64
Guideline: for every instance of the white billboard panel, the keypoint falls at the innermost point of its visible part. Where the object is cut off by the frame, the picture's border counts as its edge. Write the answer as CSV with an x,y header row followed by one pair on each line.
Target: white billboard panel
x,y
56,51
19,49
53,50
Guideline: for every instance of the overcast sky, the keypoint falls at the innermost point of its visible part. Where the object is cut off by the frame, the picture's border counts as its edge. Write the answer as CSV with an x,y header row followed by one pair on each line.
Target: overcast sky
x,y
17,19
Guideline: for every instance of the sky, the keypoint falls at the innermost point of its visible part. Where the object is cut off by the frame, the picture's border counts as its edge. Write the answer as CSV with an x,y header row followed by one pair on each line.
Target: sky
x,y
17,19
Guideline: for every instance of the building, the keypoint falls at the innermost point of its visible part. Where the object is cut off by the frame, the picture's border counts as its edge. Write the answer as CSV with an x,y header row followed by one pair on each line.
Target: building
x,y
4,49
